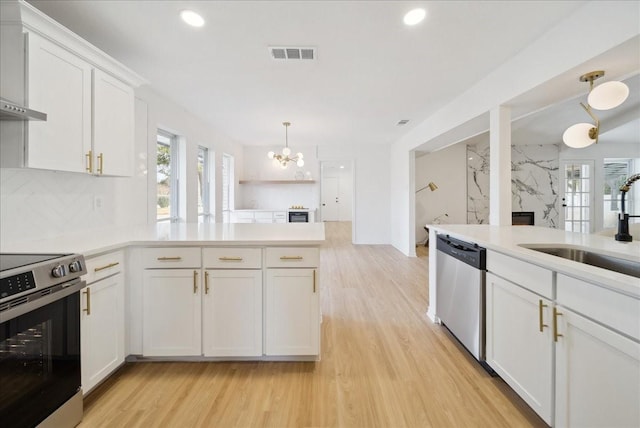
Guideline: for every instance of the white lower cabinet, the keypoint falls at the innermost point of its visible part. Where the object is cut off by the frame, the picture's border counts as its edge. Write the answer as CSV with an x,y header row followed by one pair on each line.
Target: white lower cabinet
x,y
171,312
574,359
221,302
102,320
232,313
597,375
520,342
292,312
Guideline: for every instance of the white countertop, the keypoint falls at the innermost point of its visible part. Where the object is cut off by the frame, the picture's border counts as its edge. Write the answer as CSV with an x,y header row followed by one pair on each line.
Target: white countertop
x,y
251,210
98,241
506,239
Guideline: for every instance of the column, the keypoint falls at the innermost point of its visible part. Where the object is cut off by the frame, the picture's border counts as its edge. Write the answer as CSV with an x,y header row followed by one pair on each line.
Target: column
x,y
500,166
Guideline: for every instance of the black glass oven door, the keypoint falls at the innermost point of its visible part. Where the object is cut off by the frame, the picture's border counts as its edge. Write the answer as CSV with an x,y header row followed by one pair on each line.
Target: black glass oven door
x,y
39,362
298,217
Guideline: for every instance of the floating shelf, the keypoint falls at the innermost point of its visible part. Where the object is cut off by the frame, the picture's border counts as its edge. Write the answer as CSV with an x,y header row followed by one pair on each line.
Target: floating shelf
x,y
277,181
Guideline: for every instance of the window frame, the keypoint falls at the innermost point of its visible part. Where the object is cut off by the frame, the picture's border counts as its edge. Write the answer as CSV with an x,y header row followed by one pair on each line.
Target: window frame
x,y
174,175
228,171
204,185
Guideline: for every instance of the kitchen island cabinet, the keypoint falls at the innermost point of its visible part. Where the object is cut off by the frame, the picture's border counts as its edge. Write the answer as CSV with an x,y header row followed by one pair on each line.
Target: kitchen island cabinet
x,y
292,321
171,314
597,375
564,335
171,296
519,342
232,315
163,255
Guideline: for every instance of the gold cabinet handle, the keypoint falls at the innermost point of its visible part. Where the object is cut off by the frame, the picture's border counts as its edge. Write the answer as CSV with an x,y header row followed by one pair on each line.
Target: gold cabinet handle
x,y
314,280
87,292
556,335
230,259
89,157
291,258
206,283
169,259
541,323
100,162
195,281
110,265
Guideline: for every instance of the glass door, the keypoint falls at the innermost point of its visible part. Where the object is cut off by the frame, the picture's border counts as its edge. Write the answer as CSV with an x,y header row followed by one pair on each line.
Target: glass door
x,y
39,361
576,193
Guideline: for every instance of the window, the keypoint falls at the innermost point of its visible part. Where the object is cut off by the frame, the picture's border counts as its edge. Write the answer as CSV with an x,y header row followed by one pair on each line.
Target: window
x,y
204,187
167,177
227,187
616,172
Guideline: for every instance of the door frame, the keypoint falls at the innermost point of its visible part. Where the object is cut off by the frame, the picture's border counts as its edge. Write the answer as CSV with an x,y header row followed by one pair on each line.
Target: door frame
x,y
352,165
562,183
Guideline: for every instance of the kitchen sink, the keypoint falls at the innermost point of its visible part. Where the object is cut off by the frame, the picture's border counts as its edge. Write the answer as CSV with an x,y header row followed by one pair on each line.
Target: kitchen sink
x,y
604,261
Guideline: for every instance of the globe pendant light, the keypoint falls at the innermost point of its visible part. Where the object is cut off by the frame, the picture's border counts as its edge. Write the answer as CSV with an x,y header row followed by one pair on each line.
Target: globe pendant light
x,y
577,136
603,97
284,159
608,95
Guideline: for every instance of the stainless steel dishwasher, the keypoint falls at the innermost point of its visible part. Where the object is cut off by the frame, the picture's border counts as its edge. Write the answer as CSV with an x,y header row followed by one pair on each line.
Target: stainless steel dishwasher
x,y
460,292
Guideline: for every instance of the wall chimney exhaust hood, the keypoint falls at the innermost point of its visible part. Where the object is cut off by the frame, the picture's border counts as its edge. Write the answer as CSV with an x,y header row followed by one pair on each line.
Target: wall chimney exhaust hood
x,y
13,99
13,111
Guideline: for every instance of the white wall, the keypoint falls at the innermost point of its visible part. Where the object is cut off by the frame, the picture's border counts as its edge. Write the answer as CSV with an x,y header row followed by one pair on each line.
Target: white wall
x,y
562,48
447,168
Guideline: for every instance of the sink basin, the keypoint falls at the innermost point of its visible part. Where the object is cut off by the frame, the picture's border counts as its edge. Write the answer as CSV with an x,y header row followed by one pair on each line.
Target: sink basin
x,y
604,261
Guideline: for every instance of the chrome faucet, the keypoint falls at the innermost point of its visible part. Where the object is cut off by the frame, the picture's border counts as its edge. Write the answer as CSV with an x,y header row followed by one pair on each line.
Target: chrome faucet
x,y
623,218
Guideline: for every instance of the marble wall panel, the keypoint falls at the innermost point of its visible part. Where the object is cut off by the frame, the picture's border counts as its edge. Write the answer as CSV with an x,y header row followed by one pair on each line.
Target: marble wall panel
x,y
534,182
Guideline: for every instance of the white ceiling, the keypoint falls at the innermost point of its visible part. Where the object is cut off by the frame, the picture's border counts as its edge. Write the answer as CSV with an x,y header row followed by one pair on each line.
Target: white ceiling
x,y
371,70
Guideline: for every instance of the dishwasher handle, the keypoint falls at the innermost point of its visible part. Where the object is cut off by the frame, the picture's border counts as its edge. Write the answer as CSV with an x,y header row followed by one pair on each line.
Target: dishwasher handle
x,y
467,252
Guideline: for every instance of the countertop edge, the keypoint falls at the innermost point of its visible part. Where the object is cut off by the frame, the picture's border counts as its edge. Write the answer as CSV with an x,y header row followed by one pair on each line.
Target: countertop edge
x,y
612,280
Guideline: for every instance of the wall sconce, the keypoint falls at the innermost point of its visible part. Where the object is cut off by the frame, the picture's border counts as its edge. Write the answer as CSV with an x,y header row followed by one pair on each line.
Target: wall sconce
x,y
603,97
432,186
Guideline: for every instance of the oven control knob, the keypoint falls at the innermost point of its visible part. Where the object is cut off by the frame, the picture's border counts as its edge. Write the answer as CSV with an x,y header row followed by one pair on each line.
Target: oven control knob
x,y
75,266
58,271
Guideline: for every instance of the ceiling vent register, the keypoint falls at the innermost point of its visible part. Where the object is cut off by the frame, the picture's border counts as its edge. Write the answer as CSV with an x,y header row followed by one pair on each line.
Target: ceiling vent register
x,y
292,53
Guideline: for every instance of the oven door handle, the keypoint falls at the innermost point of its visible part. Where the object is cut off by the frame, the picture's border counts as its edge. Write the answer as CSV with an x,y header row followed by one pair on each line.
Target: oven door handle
x,y
38,300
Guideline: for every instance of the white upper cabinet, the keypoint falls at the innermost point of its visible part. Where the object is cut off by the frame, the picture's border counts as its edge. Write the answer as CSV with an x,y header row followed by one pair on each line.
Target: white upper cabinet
x,y
88,98
60,84
113,125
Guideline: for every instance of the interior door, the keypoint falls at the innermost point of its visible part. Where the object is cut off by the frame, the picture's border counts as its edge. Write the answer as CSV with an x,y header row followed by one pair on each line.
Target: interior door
x,y
330,199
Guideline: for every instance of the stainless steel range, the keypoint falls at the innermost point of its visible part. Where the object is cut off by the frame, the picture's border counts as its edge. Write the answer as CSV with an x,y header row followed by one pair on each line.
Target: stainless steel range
x,y
40,381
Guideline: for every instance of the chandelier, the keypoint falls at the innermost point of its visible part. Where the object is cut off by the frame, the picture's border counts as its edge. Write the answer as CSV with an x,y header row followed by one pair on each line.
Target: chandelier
x,y
603,97
284,159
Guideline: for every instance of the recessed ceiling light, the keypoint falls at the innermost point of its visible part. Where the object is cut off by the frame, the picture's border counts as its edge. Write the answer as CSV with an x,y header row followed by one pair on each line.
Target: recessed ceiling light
x,y
341,166
192,18
415,16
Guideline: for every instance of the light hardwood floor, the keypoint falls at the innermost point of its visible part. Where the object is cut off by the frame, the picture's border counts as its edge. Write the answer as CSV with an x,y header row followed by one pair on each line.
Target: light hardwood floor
x,y
384,364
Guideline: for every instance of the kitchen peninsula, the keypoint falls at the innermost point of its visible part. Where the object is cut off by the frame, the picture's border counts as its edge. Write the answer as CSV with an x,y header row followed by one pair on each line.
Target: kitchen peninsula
x,y
195,292
564,334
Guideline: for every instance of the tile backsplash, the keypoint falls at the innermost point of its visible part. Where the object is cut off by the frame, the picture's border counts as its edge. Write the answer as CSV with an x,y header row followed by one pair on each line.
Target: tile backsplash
x,y
37,204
